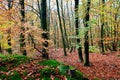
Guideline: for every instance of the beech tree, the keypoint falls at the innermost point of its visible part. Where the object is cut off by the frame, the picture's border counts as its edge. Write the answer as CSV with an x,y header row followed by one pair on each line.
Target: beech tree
x,y
102,25
45,34
9,50
61,29
77,30
22,28
86,37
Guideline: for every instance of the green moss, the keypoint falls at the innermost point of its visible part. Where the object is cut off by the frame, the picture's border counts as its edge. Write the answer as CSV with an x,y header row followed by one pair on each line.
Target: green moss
x,y
56,79
51,63
14,59
63,69
14,75
3,76
3,68
79,75
46,72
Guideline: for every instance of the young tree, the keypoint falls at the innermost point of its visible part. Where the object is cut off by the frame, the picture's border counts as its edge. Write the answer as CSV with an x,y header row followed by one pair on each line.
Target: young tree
x,y
77,30
86,37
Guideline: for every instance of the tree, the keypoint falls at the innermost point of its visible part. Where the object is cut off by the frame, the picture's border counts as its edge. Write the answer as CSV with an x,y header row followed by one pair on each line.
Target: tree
x,y
60,23
102,25
77,30
86,37
22,28
45,34
64,26
9,50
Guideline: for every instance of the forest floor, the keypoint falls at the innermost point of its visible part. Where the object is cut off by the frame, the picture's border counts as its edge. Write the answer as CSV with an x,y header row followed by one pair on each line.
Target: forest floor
x,y
103,67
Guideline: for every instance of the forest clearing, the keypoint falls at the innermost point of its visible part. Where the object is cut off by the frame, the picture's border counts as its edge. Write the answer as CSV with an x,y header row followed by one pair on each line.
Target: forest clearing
x,y
59,39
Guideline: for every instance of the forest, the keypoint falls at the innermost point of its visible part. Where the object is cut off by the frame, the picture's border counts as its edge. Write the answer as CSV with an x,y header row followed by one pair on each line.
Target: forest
x,y
59,40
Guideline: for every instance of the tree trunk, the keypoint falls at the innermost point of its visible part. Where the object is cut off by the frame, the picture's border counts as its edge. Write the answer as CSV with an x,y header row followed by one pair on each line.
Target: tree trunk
x,y
9,50
86,37
64,26
22,34
45,34
60,23
102,26
77,31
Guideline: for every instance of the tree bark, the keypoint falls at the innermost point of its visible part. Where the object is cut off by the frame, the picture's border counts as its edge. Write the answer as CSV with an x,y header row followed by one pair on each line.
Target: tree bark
x,y
45,34
102,26
86,37
77,31
64,26
9,50
22,34
60,23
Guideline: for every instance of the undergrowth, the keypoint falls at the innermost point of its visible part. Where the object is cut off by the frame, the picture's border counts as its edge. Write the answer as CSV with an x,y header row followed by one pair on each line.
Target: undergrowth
x,y
93,49
59,71
51,70
8,61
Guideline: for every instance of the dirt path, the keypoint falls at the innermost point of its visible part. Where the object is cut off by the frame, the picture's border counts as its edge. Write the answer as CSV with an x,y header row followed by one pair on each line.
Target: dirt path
x,y
105,67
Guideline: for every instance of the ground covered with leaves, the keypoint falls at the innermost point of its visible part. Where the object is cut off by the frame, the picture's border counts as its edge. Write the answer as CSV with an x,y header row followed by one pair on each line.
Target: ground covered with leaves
x,y
103,67
18,67
60,67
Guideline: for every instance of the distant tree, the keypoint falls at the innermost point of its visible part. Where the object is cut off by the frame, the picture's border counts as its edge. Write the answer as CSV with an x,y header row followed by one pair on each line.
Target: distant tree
x,y
61,29
64,25
116,12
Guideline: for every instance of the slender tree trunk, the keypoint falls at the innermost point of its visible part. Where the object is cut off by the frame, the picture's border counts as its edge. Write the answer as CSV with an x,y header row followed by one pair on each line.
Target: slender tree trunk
x,y
86,37
71,48
68,16
64,25
102,26
60,23
49,14
22,34
45,34
9,50
39,9
115,34
77,31
72,16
